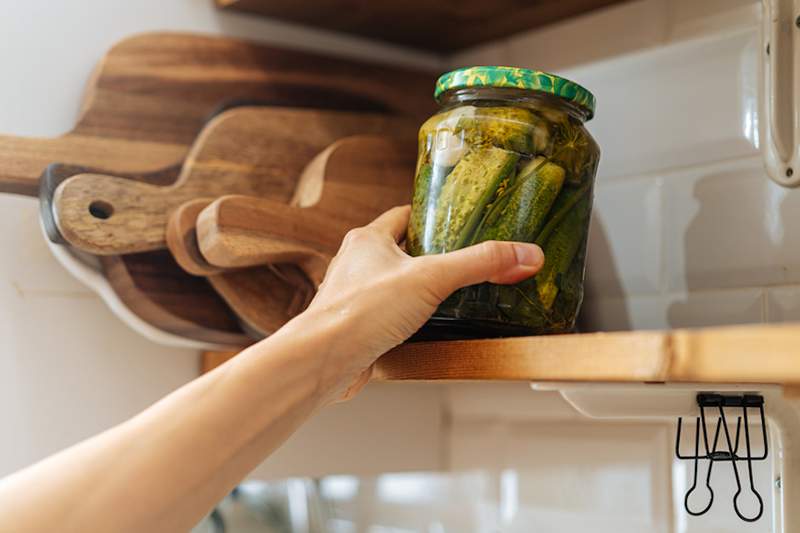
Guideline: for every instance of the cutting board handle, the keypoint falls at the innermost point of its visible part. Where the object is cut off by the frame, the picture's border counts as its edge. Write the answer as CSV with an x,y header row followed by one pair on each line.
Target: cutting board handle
x,y
24,159
240,231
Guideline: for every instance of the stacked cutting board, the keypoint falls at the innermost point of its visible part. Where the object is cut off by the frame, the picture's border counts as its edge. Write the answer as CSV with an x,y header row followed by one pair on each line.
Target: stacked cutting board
x,y
214,178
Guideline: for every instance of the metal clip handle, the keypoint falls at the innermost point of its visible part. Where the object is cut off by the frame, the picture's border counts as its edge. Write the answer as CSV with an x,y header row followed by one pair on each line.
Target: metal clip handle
x,y
780,82
712,454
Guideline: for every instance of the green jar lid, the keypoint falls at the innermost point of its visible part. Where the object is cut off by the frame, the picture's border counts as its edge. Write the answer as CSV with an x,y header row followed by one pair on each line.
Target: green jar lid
x,y
518,78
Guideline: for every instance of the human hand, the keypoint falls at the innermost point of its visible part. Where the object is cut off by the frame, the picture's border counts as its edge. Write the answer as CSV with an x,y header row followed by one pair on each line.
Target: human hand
x,y
383,296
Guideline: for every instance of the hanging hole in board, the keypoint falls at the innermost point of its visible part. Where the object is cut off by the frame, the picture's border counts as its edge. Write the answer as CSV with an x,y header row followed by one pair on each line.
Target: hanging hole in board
x,y
101,210
789,172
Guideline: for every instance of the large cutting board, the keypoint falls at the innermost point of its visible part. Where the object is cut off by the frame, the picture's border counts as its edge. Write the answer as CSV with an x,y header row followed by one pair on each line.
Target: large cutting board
x,y
148,100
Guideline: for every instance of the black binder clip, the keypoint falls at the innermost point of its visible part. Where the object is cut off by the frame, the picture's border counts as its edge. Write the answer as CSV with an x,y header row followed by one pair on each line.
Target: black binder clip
x,y
718,403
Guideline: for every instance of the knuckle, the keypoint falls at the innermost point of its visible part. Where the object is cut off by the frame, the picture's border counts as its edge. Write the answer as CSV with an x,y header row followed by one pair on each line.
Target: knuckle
x,y
356,235
491,252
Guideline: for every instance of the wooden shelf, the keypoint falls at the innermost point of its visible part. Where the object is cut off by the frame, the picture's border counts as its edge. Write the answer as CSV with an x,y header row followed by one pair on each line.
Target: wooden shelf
x,y
736,354
429,25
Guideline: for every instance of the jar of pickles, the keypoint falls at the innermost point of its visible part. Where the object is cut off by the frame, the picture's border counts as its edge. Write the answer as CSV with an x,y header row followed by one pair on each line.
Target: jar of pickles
x,y
507,158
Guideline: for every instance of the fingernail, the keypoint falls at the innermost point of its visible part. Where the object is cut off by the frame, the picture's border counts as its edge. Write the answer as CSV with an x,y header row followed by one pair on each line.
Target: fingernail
x,y
528,255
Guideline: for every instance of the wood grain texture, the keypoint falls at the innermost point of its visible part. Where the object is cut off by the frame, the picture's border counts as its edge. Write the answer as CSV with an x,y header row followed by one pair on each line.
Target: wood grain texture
x,y
263,298
630,356
152,93
153,287
346,186
157,290
257,151
283,236
762,354
739,354
147,101
433,26
181,238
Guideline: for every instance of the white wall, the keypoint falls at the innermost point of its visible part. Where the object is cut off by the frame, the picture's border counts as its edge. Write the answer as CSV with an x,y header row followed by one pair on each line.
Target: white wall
x,y
68,368
687,229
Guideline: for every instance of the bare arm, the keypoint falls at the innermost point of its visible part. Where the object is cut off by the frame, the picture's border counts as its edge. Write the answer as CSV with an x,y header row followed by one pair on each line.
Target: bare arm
x,y
164,469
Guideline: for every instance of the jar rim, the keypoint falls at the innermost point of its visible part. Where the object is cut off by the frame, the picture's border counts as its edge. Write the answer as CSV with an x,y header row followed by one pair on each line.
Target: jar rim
x,y
516,78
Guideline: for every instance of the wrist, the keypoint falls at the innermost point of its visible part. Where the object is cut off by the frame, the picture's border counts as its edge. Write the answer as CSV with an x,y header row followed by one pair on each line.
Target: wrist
x,y
326,338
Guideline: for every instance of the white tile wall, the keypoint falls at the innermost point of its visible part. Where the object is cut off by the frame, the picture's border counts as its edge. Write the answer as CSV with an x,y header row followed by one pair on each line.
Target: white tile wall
x,y
687,230
631,265
728,226
783,304
674,310
680,105
567,476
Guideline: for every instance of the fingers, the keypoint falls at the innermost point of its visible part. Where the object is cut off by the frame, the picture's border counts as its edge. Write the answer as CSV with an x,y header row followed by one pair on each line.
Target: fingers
x,y
493,261
394,222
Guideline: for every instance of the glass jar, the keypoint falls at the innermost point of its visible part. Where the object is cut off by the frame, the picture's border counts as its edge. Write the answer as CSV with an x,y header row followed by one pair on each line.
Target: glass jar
x,y
507,158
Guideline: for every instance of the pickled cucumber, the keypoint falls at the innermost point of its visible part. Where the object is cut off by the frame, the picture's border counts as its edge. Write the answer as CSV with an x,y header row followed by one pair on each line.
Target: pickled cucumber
x,y
416,224
468,189
560,250
575,150
510,128
528,204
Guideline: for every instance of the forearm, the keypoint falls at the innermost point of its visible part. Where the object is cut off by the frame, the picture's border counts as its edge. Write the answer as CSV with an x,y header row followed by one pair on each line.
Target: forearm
x,y
163,469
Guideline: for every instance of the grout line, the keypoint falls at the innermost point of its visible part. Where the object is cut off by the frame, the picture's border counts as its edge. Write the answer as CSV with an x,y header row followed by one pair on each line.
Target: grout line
x,y
661,173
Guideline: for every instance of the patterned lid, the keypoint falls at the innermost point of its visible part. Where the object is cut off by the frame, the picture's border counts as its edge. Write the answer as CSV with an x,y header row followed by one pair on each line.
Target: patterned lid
x,y
518,78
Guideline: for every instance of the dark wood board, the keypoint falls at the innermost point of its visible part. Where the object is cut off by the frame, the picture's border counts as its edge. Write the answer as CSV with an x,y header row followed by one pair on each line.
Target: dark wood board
x,y
443,26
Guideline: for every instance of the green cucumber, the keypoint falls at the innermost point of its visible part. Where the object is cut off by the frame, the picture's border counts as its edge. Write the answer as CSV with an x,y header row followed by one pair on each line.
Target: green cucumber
x,y
510,128
562,207
528,204
416,223
468,189
560,250
575,150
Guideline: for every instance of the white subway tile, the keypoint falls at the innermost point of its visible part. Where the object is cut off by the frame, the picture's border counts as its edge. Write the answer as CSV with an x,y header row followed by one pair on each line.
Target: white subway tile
x,y
624,313
783,304
716,308
678,310
360,438
477,444
624,254
616,474
683,104
505,401
728,226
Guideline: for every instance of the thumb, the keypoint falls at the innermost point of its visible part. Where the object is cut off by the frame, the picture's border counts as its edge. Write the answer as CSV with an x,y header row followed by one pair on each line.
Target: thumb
x,y
494,261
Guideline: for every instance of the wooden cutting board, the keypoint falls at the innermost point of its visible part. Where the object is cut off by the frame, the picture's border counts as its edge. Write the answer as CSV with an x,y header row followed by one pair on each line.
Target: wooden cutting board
x,y
264,298
251,151
258,150
181,237
180,304
151,94
346,186
148,100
